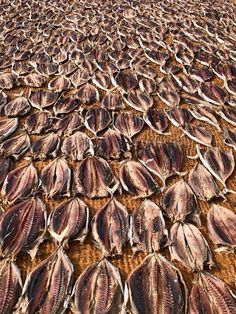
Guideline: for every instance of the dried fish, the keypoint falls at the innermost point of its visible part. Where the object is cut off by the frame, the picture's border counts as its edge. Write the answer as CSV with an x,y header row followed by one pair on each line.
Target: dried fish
x,y
99,289
10,286
33,80
47,288
139,100
198,133
97,119
7,80
180,203
7,127
137,180
201,74
56,178
65,105
179,117
148,85
212,93
112,101
46,146
22,228
156,286
211,295
17,107
113,145
59,84
170,97
69,221
148,231
189,247
206,114
128,124
102,81
42,99
125,82
94,178
3,99
20,183
38,122
188,84
228,114
4,168
87,94
157,56
77,146
230,137
68,124
156,120
221,224
15,146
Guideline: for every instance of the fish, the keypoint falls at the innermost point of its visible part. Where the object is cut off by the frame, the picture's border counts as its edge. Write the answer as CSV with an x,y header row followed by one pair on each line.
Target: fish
x,y
77,146
157,56
148,85
112,101
213,93
170,97
3,100
20,183
46,69
230,86
99,289
65,105
230,137
42,99
148,228
162,159
22,228
198,133
80,77
125,82
202,74
69,221
7,127
48,286
7,80
156,286
211,295
221,225
188,84
15,146
33,80
102,81
56,178
179,117
94,178
180,203
128,124
68,124
10,286
202,183
137,180
59,84
19,106
5,163
206,114
156,120
38,122
87,94
113,145
228,114
45,146
189,247
184,56
97,119
225,71
139,100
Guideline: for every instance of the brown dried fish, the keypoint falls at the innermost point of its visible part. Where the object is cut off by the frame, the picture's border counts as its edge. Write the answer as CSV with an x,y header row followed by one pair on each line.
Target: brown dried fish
x,y
3,99
148,231
148,85
125,82
110,227
156,286
47,288
212,93
188,84
189,247
20,183
179,117
68,124
46,146
206,114
15,146
77,146
56,178
230,137
22,228
65,105
198,133
170,97
69,221
59,84
97,119
7,127
128,124
221,224
137,180
139,100
112,101
211,295
7,80
102,81
4,168
33,80
42,98
38,122
228,114
180,203
10,286
94,178
156,120
17,107
99,289
87,94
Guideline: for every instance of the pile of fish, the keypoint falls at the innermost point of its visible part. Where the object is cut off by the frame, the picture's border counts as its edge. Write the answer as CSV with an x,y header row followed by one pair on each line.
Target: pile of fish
x,y
95,98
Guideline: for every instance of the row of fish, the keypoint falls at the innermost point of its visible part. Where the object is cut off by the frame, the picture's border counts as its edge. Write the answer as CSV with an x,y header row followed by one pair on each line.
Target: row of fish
x,y
155,286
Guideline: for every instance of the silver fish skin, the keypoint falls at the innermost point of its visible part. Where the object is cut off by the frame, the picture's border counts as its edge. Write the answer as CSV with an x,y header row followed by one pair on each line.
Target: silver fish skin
x,y
87,94
10,286
15,146
230,137
210,295
69,221
20,183
110,227
156,286
42,99
139,100
156,120
189,247
22,228
128,124
48,287
5,164
113,145
97,119
56,178
99,290
180,203
7,127
38,122
148,230
46,146
221,224
77,146
94,178
137,180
